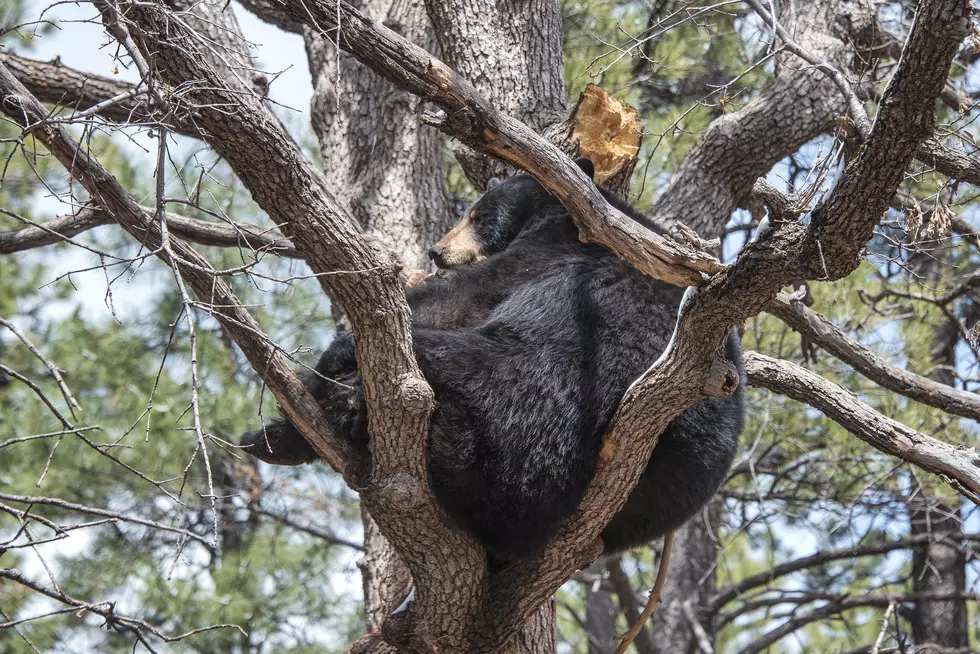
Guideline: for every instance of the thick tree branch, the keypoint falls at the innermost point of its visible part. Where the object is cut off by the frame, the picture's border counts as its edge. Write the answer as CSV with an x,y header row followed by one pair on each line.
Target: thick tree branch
x,y
232,234
717,175
120,102
267,11
295,195
960,466
949,161
831,338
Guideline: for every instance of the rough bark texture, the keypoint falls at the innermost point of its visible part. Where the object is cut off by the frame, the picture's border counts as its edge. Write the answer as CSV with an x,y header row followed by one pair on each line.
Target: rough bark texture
x,y
717,175
511,52
373,146
822,332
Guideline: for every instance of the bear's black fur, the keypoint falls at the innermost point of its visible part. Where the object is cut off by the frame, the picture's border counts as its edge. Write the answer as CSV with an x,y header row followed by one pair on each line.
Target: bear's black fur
x,y
529,351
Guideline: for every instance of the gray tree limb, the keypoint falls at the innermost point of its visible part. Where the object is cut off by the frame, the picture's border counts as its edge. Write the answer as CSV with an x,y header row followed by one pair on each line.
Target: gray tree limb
x,y
232,234
831,338
961,466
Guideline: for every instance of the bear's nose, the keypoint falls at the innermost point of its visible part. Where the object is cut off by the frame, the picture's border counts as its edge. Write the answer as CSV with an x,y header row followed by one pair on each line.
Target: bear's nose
x,y
436,251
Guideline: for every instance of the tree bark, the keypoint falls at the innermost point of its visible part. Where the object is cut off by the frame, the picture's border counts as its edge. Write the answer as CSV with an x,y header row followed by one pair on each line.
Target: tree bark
x,y
372,142
690,577
600,615
511,51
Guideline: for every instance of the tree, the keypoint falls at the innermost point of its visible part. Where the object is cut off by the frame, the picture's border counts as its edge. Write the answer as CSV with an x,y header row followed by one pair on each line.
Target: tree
x,y
783,95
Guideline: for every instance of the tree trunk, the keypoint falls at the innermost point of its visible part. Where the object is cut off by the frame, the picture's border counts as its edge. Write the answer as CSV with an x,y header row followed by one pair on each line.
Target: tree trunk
x,y
386,163
690,576
940,565
600,615
389,164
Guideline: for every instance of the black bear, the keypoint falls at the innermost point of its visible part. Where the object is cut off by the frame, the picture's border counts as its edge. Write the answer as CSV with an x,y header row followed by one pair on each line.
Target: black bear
x,y
529,341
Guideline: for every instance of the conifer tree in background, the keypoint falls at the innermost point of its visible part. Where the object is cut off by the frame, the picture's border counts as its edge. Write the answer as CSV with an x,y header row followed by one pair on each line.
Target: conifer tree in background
x,y
129,521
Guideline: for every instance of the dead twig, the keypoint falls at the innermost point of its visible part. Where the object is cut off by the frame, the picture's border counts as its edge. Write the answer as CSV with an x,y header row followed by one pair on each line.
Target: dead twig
x,y
655,594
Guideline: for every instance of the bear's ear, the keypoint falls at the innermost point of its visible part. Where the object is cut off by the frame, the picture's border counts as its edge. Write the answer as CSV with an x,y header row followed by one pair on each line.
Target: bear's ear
x,y
493,183
586,165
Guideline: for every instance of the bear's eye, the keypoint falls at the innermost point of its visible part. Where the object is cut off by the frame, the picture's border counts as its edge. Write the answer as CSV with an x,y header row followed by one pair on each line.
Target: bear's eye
x,y
475,217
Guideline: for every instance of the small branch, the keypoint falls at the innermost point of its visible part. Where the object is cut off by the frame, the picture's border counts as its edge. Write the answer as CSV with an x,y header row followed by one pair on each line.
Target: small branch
x,y
233,234
958,465
700,635
836,606
114,515
884,628
628,604
732,591
307,529
53,369
655,595
55,83
107,610
831,338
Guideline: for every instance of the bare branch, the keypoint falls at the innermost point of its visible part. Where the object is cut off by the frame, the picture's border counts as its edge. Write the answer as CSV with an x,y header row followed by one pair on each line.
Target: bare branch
x,y
234,234
655,596
828,336
960,466
55,83
268,12
107,610
730,592
114,515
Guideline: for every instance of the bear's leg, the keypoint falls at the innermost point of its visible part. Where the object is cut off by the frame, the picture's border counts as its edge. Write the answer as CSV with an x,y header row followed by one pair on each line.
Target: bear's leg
x,y
335,386
278,443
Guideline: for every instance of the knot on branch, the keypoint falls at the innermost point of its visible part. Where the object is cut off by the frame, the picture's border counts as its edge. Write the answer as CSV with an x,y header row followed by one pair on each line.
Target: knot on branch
x,y
415,395
402,490
782,207
722,378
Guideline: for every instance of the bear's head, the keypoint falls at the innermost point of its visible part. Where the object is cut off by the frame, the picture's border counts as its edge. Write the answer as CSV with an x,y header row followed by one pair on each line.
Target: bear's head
x,y
496,219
